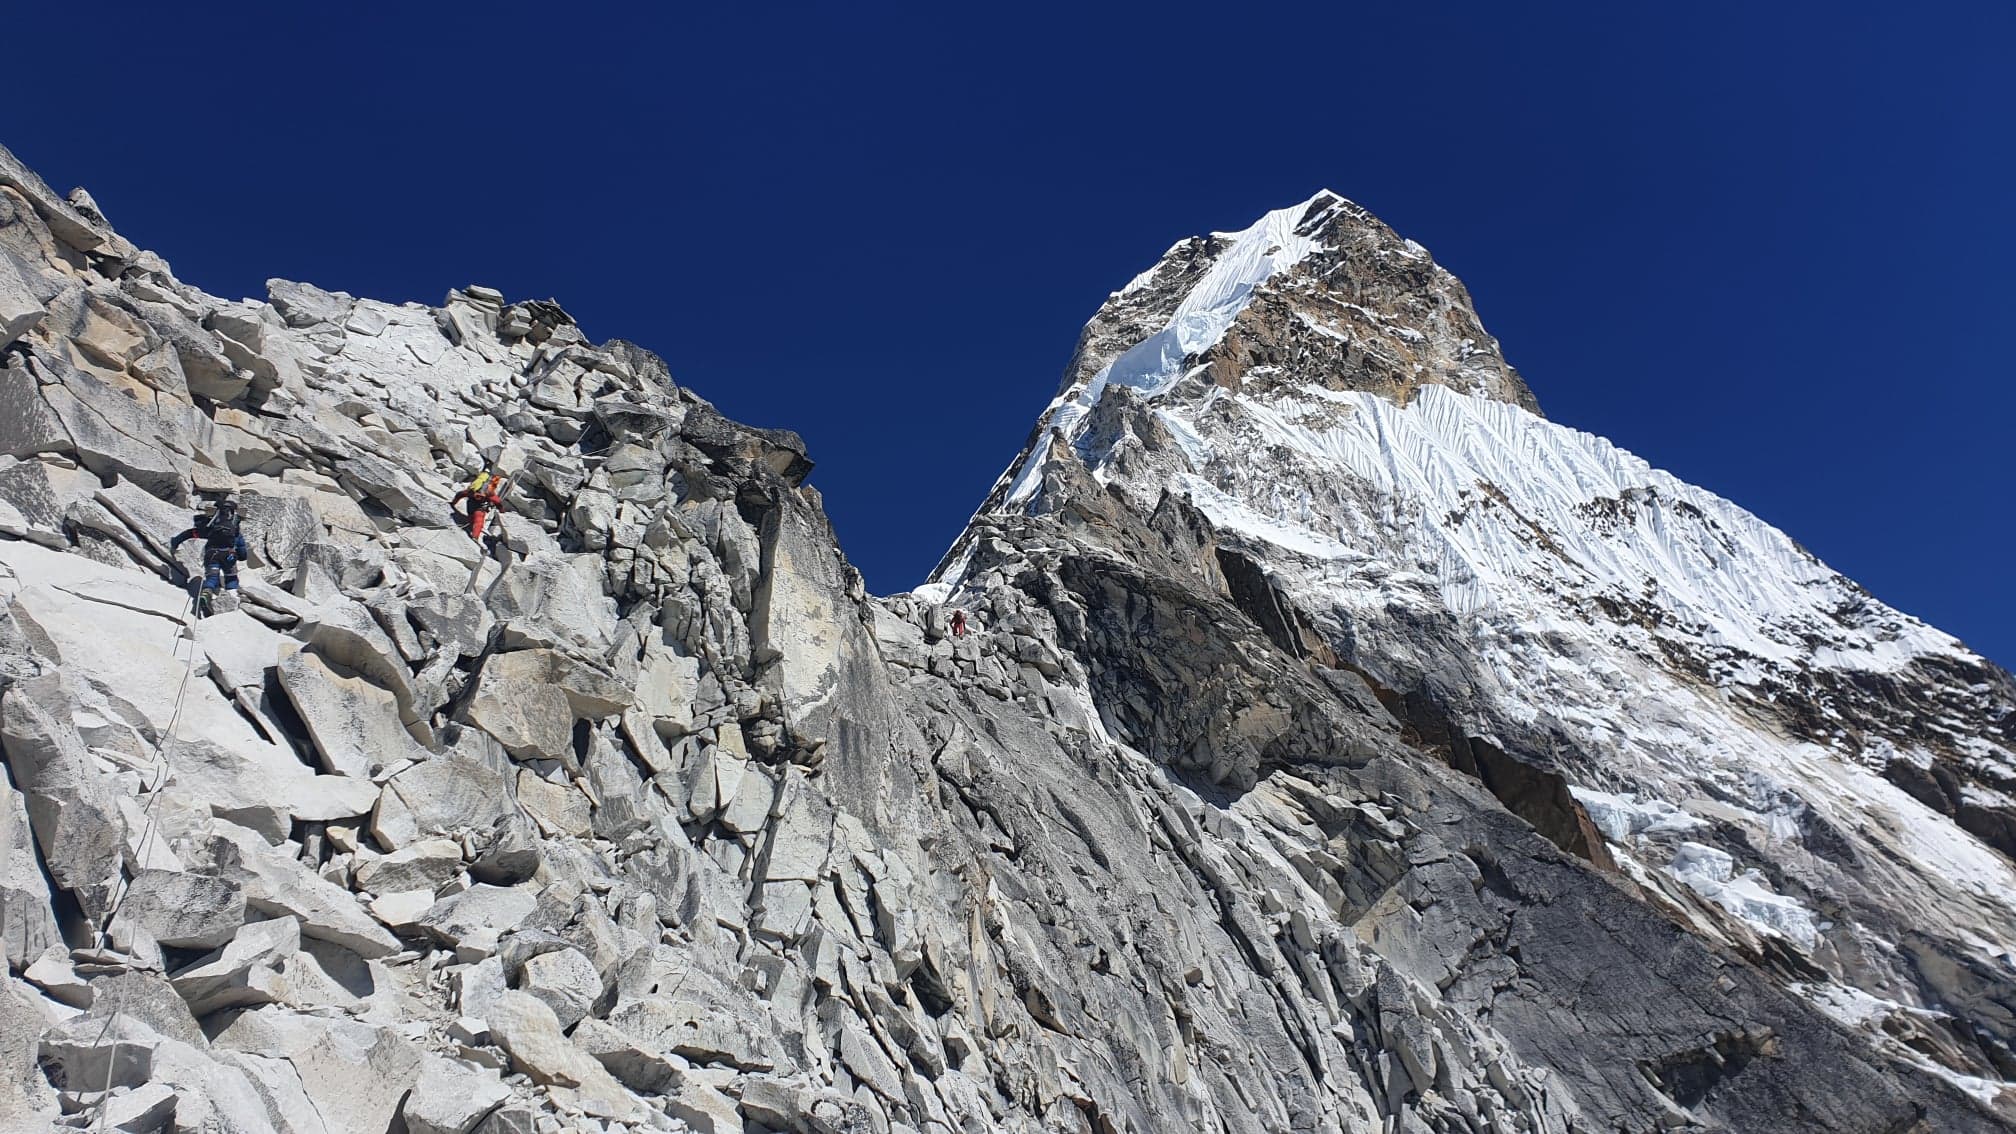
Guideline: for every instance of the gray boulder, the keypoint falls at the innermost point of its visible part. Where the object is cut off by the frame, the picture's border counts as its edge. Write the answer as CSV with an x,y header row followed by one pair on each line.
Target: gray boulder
x,y
27,425
354,722
25,1093
441,795
276,884
591,691
69,805
27,918
722,1031
424,865
564,980
451,1097
184,910
86,1052
354,1075
345,634
527,1029
24,296
262,787
559,808
509,854
247,971
114,436
705,1109
206,369
479,908
143,1110
531,719
305,305
640,1069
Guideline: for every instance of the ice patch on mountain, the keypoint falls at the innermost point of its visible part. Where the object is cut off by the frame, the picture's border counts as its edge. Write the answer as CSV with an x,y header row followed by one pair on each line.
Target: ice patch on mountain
x,y
1712,874
1859,1011
1624,818
934,593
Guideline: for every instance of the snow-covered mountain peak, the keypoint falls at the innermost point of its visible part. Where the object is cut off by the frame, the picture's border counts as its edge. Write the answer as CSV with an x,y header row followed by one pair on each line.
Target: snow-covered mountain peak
x,y
1322,396
1216,278
1320,294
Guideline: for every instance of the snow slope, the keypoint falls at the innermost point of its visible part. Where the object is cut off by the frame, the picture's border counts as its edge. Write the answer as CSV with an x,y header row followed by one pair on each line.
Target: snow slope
x,y
1520,531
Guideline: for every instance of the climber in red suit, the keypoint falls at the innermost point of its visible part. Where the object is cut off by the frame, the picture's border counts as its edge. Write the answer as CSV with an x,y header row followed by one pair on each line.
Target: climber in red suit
x,y
485,495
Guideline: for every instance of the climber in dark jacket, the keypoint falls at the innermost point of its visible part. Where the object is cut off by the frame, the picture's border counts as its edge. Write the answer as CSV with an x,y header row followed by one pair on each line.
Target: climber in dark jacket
x,y
223,545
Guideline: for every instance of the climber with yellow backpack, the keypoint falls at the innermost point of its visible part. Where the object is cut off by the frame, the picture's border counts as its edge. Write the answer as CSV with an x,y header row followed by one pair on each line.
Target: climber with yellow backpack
x,y
476,511
483,497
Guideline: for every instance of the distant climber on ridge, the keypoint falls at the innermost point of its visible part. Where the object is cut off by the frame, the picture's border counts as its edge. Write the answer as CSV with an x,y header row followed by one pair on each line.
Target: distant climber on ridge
x,y
223,549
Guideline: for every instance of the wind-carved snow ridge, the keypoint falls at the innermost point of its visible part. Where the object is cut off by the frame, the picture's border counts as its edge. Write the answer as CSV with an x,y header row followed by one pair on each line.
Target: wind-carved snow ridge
x,y
1257,253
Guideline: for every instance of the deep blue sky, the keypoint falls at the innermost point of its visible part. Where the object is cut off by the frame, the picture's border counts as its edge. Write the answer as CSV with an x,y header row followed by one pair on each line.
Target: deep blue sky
x,y
1765,246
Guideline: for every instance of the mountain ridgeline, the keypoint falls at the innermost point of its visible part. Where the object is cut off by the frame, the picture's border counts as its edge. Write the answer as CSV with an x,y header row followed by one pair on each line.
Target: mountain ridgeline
x,y
1304,735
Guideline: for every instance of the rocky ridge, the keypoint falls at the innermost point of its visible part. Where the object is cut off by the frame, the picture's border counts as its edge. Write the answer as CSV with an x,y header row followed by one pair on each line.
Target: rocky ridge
x,y
661,822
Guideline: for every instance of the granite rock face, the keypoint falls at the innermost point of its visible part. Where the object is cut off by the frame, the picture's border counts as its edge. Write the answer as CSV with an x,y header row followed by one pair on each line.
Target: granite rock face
x,y
657,820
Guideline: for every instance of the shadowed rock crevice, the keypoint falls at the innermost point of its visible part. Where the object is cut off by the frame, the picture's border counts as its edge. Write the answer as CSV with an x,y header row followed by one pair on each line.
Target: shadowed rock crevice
x,y
1250,591
1535,794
